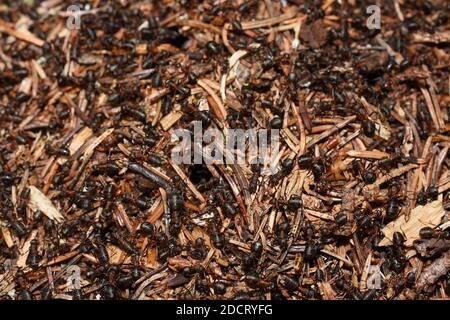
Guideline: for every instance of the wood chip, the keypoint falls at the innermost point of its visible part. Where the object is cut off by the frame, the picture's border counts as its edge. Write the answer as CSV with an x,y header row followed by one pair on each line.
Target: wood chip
x,y
39,201
429,215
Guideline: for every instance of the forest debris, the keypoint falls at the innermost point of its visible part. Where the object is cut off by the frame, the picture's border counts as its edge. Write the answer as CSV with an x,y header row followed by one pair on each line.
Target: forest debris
x,y
373,62
326,290
434,271
269,22
429,215
366,154
392,174
429,248
436,38
24,250
79,139
7,237
217,106
39,201
117,255
314,34
170,119
87,117
21,34
397,56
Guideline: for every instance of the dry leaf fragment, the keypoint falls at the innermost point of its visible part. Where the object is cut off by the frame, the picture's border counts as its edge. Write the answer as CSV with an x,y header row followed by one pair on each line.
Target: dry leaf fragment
x,y
39,201
429,215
